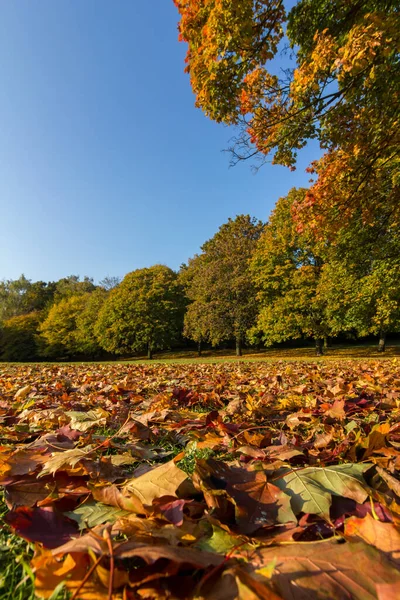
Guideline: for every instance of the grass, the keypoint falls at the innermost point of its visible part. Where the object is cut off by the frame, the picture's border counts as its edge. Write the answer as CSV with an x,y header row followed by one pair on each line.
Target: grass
x,y
306,353
16,578
334,352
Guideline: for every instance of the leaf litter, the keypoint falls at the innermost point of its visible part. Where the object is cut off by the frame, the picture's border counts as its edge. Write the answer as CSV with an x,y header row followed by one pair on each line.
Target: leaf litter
x,y
247,480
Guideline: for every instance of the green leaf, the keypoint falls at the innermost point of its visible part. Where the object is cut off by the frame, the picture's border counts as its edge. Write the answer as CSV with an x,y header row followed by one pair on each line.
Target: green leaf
x,y
310,489
220,542
94,513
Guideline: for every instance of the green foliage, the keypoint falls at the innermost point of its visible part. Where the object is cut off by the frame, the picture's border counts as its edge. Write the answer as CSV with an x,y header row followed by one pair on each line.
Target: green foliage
x,y
72,286
68,329
144,312
18,337
286,267
21,296
38,296
86,339
360,282
219,285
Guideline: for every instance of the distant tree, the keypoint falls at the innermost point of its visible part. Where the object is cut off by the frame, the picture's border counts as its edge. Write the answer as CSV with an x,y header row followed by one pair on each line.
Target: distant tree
x,y
21,296
198,323
18,338
38,296
72,285
360,283
219,287
144,312
12,293
86,340
109,282
286,269
59,331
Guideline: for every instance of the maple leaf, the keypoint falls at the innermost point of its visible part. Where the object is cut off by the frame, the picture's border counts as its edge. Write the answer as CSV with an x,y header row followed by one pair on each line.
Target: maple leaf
x,y
268,499
383,536
43,525
328,570
387,591
243,501
164,480
310,489
171,508
23,392
82,421
110,494
91,514
63,460
50,575
222,542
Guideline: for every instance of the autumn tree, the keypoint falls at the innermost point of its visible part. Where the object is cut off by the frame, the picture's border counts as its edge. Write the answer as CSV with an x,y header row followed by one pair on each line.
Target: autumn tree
x,y
68,330
38,296
286,269
19,337
21,296
144,312
219,286
72,286
361,281
86,339
109,282
343,89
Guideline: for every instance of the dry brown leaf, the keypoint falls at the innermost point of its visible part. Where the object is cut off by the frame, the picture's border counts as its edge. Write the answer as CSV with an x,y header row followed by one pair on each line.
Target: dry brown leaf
x,y
164,480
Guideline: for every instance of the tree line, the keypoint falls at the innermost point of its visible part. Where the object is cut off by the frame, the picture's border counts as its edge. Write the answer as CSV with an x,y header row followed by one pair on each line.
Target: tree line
x,y
253,284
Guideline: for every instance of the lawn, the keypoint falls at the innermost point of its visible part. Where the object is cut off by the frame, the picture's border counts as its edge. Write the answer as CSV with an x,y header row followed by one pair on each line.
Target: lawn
x,y
357,351
201,479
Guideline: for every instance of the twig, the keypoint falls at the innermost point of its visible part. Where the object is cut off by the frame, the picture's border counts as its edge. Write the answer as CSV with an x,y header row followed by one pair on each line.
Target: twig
x,y
250,429
215,570
110,548
84,580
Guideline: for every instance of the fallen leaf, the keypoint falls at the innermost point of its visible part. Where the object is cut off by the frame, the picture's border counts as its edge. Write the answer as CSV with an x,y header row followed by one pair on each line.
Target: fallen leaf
x,y
63,460
164,480
310,489
43,525
322,570
384,536
91,514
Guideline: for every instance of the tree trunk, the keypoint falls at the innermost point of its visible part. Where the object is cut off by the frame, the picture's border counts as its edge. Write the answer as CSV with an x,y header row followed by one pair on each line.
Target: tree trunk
x,y
318,346
149,352
326,342
199,349
238,347
382,341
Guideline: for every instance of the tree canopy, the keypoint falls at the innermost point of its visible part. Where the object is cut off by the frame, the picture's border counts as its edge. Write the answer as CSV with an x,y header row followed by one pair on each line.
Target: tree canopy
x,y
343,89
287,267
59,331
145,311
219,286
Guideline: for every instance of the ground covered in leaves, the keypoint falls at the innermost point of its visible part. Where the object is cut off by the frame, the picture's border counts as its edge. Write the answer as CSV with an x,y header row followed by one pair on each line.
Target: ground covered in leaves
x,y
229,481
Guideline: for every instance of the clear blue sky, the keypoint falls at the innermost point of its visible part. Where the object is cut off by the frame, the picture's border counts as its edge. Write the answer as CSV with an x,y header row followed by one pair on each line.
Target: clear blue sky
x,y
105,164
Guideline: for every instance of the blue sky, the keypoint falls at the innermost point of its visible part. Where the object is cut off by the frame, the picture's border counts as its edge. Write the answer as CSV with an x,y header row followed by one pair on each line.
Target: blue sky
x,y
106,166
